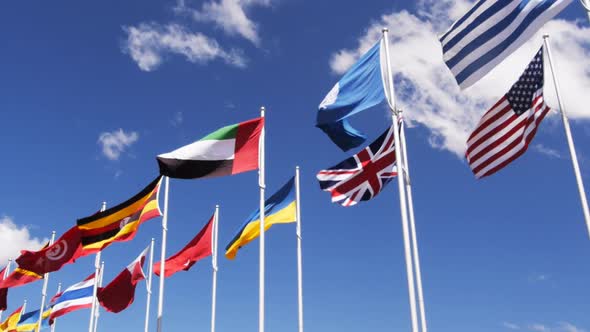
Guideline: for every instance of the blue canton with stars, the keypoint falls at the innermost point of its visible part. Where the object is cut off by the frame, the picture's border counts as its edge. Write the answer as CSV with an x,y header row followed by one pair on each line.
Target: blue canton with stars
x,y
521,93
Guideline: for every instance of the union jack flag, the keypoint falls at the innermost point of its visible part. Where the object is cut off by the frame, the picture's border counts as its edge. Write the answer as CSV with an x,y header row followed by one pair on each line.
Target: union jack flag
x,y
362,176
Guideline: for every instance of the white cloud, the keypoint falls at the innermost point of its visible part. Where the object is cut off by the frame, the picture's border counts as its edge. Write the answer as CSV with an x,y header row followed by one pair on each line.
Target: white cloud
x,y
177,119
116,142
427,91
549,152
539,328
14,238
568,327
147,44
230,15
511,326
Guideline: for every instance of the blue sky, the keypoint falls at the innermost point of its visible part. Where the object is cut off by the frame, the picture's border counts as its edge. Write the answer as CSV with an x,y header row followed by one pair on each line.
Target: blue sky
x,y
90,93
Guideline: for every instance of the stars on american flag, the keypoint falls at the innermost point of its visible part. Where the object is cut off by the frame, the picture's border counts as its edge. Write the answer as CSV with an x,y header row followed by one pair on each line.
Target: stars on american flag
x,y
520,96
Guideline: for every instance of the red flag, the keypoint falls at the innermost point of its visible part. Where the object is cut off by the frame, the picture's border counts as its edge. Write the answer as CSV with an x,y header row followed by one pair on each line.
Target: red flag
x,y
120,293
51,258
19,277
197,249
3,291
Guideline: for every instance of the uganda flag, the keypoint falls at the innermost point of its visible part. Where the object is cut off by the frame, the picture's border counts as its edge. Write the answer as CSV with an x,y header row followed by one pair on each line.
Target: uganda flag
x,y
119,223
227,151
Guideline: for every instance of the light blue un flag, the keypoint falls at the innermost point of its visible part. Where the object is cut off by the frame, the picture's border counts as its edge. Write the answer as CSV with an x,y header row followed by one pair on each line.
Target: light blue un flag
x,y
490,31
361,88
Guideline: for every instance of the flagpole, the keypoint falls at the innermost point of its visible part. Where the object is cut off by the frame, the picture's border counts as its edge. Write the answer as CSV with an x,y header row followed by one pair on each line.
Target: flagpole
x,y
55,321
6,273
163,255
261,184
215,267
96,272
586,5
44,289
400,182
570,140
149,286
97,309
415,254
299,256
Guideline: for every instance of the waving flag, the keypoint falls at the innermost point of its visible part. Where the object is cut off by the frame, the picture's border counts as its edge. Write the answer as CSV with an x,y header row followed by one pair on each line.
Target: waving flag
x,y
19,277
63,251
227,151
362,176
198,248
361,88
505,131
278,209
4,291
490,31
76,297
120,223
120,293
9,325
29,321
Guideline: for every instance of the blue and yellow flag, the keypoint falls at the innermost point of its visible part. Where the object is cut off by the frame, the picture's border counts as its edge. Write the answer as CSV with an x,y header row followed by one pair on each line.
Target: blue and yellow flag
x,y
29,321
280,208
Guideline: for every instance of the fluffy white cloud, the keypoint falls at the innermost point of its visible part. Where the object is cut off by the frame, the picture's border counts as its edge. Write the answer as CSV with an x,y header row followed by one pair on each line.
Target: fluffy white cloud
x,y
511,326
116,142
14,238
231,16
427,91
148,43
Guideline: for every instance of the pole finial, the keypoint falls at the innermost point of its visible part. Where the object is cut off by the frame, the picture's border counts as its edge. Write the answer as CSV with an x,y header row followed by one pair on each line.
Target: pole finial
x,y
217,206
297,167
545,36
385,30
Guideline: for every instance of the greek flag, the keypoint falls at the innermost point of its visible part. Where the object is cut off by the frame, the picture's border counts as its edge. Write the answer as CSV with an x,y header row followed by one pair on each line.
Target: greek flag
x,y
490,31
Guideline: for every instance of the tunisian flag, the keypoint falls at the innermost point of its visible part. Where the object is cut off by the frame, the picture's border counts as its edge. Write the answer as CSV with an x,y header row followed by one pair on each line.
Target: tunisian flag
x,y
120,293
198,248
53,257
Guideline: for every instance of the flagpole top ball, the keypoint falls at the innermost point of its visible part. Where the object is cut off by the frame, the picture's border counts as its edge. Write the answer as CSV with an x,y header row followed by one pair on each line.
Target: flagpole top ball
x,y
385,30
545,36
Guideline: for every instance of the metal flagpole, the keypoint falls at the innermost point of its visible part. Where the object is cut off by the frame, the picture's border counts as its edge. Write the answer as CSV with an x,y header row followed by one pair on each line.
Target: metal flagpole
x,y
149,286
299,257
6,273
261,184
44,289
570,140
415,254
163,255
55,321
96,275
215,267
97,309
586,5
400,182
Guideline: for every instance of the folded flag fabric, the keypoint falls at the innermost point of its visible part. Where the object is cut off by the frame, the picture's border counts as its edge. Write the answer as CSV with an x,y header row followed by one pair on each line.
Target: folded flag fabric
x,y
19,277
4,291
280,208
490,31
119,294
9,325
76,297
29,321
364,175
361,88
506,130
50,259
119,223
227,151
198,248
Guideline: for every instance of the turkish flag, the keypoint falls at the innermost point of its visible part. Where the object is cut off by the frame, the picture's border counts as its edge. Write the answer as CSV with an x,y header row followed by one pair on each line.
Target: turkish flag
x,y
65,250
120,293
197,249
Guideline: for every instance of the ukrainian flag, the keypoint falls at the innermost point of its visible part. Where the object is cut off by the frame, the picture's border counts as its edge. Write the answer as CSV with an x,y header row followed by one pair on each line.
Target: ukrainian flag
x,y
29,321
279,209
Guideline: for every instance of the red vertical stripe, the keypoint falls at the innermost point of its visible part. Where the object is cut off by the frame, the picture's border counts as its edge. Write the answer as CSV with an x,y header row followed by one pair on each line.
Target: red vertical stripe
x,y
247,142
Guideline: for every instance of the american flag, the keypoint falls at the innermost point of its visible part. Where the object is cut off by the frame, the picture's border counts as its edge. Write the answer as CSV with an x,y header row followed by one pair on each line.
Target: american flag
x,y
505,131
362,176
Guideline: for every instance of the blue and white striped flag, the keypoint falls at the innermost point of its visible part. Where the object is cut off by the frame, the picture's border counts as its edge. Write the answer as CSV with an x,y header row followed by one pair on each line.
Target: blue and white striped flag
x,y
490,31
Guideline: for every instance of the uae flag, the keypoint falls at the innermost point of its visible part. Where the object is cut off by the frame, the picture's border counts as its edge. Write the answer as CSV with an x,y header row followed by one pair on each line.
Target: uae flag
x,y
227,151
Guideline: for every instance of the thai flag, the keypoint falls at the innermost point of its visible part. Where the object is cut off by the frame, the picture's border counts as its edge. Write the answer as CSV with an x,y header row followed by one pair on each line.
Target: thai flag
x,y
76,297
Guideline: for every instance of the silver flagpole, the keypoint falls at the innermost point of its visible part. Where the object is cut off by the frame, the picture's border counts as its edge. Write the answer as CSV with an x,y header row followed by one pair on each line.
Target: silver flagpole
x,y
401,189
261,184
415,254
97,309
55,321
215,267
570,140
586,5
6,273
163,255
299,256
44,290
96,276
149,286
